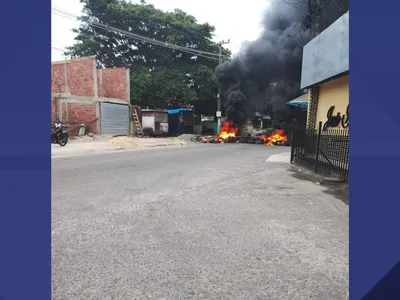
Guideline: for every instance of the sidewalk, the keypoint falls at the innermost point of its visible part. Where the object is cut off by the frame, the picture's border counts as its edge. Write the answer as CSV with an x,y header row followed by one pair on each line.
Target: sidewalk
x,y
339,190
87,145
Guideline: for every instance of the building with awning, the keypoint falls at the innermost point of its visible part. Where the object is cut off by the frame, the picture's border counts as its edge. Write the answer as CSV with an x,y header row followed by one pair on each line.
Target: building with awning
x,y
324,143
325,73
181,121
301,101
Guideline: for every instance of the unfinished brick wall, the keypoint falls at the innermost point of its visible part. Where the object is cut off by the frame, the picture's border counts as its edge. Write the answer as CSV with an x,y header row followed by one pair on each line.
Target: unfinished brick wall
x,y
53,109
80,77
57,78
72,114
82,113
112,83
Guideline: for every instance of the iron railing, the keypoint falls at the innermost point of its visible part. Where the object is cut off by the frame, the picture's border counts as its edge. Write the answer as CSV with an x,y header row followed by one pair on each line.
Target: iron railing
x,y
327,152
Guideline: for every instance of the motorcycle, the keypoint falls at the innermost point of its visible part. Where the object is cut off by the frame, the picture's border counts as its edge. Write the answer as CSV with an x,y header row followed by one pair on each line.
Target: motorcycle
x,y
59,136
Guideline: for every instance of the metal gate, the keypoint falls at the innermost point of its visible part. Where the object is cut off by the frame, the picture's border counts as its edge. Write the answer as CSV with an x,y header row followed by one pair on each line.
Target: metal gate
x,y
326,151
114,118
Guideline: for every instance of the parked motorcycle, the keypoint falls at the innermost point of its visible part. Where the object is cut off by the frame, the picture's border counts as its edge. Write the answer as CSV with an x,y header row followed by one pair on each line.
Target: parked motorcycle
x,y
59,135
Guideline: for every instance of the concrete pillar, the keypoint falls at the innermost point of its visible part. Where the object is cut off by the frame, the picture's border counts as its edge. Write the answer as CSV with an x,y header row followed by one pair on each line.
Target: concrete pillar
x,y
128,85
66,112
312,109
98,129
66,79
59,108
101,93
95,88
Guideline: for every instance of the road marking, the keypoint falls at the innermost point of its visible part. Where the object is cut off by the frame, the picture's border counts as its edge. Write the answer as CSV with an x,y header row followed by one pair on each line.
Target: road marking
x,y
283,157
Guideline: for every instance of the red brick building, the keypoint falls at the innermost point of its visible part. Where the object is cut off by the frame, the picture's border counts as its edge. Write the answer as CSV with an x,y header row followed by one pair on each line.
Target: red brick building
x,y
83,94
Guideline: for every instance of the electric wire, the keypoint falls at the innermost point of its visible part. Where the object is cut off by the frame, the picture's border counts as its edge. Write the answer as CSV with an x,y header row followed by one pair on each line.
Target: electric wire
x,y
138,37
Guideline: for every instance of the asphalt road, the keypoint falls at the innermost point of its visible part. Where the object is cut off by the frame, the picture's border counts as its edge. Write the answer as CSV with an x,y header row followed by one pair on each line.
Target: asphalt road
x,y
194,222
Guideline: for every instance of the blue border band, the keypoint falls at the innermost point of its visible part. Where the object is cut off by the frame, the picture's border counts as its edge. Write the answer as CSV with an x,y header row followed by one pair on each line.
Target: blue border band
x,y
374,150
25,162
25,151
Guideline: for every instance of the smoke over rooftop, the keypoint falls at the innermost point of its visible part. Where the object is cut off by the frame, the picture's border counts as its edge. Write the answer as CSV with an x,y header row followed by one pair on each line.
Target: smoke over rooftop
x,y
266,72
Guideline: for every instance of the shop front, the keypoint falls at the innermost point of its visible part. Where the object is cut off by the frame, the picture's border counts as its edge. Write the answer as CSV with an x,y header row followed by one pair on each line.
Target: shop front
x,y
324,144
333,104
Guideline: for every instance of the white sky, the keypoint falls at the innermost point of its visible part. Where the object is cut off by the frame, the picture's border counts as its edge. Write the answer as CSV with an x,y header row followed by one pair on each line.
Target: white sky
x,y
241,25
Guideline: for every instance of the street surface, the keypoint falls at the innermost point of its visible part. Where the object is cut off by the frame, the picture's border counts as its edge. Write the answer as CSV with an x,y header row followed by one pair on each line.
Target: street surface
x,y
194,222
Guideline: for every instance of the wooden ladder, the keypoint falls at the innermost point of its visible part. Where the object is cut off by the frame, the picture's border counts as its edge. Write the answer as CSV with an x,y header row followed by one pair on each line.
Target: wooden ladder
x,y
139,130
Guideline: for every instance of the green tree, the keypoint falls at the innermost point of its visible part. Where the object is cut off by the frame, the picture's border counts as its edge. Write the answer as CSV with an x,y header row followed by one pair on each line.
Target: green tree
x,y
160,76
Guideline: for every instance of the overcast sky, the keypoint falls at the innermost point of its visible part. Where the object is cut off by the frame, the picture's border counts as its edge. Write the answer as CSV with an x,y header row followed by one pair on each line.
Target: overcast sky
x,y
238,22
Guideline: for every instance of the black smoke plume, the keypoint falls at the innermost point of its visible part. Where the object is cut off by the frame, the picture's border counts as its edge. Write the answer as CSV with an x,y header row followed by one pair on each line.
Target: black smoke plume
x,y
266,72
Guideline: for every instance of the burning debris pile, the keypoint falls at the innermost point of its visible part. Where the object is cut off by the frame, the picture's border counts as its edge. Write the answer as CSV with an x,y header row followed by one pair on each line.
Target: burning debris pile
x,y
229,134
276,138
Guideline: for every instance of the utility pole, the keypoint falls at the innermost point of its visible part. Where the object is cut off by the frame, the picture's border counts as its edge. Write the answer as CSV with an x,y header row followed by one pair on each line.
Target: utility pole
x,y
218,113
314,91
316,17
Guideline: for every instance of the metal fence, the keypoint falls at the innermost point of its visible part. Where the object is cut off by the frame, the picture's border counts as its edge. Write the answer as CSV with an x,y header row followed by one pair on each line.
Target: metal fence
x,y
327,152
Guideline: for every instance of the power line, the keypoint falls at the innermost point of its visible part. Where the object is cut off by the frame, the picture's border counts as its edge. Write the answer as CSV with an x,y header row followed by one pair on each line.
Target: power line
x,y
59,44
165,24
110,28
337,4
139,37
173,99
295,4
287,5
301,18
183,76
293,26
58,49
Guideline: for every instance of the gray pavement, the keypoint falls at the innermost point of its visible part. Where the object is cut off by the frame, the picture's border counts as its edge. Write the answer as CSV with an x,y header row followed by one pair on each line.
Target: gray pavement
x,y
194,222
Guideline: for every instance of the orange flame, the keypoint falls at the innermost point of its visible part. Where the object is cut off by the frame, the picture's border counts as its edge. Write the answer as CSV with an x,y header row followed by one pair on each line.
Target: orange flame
x,y
227,131
277,137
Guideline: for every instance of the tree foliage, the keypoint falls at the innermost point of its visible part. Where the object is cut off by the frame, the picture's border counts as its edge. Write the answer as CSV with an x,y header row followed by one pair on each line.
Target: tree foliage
x,y
160,77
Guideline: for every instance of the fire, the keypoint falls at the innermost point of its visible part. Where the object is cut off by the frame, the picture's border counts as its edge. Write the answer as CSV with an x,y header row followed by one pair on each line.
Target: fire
x,y
277,137
227,131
